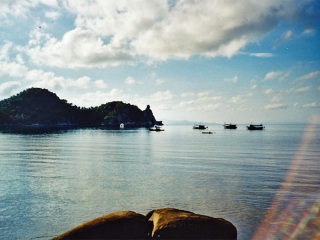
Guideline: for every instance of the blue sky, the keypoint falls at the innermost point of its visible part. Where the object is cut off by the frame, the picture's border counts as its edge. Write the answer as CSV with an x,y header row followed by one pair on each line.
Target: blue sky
x,y
197,60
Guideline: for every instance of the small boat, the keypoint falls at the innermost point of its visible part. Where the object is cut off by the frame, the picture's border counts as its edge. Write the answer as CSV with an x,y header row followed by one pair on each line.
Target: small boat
x,y
255,127
156,129
207,132
230,126
200,127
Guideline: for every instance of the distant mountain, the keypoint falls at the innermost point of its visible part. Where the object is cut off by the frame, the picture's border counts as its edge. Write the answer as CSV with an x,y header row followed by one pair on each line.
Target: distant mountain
x,y
40,106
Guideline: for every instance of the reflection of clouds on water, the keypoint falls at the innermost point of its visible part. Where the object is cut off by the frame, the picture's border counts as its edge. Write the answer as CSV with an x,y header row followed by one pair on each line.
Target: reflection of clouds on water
x,y
55,180
295,210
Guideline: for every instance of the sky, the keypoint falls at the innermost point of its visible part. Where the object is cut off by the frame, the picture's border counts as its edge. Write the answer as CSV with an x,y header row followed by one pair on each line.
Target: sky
x,y
198,60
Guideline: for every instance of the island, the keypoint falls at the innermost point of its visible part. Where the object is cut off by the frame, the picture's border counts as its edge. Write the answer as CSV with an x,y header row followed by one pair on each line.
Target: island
x,y
40,107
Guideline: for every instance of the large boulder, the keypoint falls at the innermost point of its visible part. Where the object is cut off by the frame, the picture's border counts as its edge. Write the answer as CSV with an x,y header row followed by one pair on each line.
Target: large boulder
x,y
166,223
170,223
118,225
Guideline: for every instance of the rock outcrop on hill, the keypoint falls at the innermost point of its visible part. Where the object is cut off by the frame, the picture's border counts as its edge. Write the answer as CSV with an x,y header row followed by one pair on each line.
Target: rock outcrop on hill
x,y
148,116
36,106
166,223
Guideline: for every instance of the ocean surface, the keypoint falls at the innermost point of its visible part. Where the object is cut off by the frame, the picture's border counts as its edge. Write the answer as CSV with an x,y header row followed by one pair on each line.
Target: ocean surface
x,y
267,183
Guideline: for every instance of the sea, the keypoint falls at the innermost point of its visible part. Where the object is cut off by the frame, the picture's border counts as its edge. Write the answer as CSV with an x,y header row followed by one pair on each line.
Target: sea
x,y
267,183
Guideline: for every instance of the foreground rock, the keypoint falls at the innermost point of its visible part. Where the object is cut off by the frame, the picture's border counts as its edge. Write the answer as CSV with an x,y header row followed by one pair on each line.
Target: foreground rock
x,y
170,223
118,225
166,223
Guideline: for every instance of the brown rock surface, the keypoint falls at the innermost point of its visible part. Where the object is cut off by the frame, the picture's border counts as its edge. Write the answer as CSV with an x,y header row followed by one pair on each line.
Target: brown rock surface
x,y
170,223
166,223
118,225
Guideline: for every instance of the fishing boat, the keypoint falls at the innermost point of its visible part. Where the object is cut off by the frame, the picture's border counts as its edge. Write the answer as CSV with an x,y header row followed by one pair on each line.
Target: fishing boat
x,y
156,128
207,132
255,127
230,126
201,127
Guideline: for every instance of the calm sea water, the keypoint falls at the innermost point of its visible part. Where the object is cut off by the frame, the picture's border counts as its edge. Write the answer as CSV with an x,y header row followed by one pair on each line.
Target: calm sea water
x,y
53,181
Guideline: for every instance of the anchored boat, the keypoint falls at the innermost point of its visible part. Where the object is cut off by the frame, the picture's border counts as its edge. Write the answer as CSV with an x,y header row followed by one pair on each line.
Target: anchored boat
x,y
230,126
255,127
207,132
156,128
200,127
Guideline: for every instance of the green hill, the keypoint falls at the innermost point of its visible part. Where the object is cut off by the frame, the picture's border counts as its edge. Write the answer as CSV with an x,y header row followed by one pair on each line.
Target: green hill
x,y
40,106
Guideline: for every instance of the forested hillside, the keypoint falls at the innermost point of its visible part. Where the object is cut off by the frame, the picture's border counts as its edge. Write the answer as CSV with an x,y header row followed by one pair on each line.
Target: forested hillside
x,y
40,106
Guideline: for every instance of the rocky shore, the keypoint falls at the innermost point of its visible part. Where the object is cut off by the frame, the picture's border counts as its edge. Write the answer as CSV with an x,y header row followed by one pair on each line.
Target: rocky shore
x,y
165,223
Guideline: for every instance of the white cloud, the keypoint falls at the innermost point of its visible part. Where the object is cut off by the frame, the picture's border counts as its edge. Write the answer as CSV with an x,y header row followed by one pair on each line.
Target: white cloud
x,y
271,75
162,96
49,80
232,79
262,55
116,32
276,106
92,99
52,15
277,98
311,105
82,82
210,107
12,69
37,37
192,28
17,8
254,86
268,91
187,103
299,90
287,35
8,88
4,51
275,75
130,81
311,75
79,48
237,99
19,59
308,32
101,84
162,100
199,98
194,106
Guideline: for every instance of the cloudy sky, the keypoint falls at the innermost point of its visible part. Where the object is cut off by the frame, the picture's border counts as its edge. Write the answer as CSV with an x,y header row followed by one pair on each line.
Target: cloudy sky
x,y
197,60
